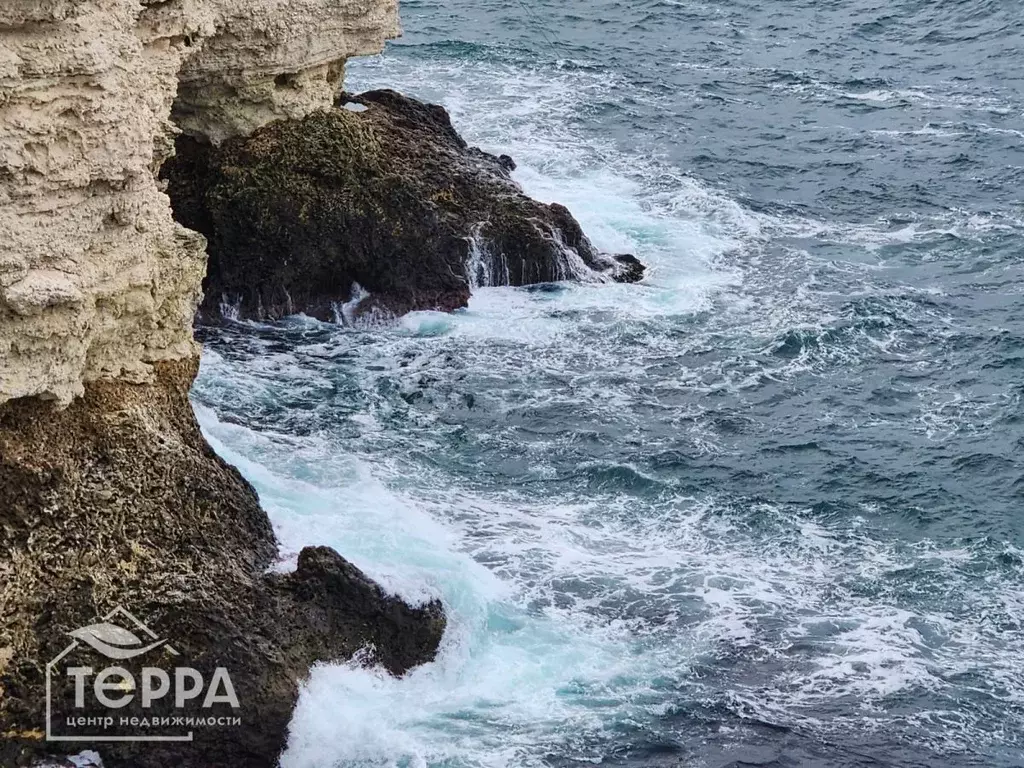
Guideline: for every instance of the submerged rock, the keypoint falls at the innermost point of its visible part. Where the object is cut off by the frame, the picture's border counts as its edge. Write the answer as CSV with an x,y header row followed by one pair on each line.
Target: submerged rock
x,y
118,501
389,198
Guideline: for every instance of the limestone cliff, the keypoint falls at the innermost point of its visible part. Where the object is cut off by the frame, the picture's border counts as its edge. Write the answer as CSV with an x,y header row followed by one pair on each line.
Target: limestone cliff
x,y
109,495
276,59
96,279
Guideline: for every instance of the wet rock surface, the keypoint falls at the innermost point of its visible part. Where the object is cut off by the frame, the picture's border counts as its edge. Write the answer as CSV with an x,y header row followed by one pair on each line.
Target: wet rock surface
x,y
381,193
119,501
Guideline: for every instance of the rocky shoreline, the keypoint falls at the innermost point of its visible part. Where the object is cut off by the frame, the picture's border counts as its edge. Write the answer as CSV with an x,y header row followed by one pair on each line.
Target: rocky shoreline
x,y
118,523
117,500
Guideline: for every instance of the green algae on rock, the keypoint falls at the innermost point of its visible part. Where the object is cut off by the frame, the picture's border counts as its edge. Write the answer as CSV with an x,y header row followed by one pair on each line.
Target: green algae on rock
x,y
389,198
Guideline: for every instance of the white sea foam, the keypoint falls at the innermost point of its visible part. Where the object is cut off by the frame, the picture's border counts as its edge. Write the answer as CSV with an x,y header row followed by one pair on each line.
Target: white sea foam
x,y
573,625
574,615
568,617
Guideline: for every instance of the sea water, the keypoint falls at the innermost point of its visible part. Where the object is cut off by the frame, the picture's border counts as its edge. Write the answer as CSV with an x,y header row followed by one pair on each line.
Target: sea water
x,y
764,508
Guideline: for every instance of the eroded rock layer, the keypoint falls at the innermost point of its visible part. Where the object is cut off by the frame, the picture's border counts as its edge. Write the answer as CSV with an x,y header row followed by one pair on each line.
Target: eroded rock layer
x,y
96,279
386,196
275,59
118,500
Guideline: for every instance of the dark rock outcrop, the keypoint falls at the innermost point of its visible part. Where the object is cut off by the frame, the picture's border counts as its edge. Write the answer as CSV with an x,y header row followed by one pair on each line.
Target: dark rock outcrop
x,y
119,501
390,198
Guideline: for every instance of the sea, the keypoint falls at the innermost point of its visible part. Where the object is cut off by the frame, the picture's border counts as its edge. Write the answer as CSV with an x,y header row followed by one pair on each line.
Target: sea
x,y
765,508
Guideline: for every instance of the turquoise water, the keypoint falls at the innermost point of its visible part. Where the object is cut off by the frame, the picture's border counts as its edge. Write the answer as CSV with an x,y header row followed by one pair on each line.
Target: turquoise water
x,y
763,508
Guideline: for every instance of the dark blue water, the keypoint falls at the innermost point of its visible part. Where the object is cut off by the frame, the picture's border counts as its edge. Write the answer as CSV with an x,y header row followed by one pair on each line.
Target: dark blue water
x,y
767,507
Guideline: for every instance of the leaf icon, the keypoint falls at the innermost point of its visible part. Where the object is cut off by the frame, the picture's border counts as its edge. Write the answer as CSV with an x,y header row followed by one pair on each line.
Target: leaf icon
x,y
107,633
112,641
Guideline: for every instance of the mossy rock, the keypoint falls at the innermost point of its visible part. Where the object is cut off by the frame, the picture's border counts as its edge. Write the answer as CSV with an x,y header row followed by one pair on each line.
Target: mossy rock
x,y
390,198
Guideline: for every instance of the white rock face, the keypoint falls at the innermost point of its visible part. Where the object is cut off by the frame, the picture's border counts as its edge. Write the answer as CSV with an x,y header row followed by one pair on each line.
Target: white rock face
x,y
240,80
96,279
